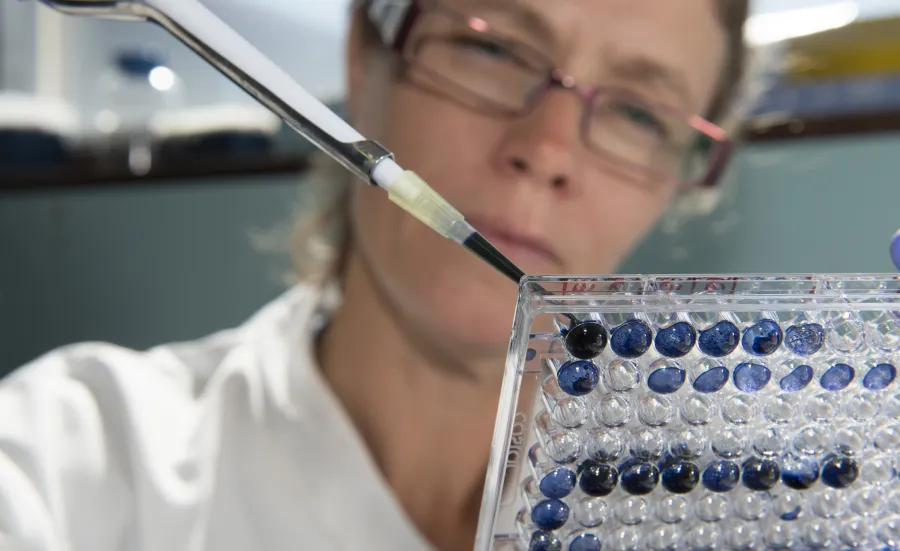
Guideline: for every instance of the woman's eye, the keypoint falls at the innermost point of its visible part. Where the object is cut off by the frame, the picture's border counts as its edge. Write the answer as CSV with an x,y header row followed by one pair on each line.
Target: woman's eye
x,y
486,47
643,117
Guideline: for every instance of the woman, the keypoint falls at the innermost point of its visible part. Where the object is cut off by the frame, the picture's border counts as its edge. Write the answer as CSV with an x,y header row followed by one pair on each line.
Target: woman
x,y
356,413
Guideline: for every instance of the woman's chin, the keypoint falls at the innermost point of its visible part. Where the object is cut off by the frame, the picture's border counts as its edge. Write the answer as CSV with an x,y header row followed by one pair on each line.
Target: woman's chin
x,y
481,319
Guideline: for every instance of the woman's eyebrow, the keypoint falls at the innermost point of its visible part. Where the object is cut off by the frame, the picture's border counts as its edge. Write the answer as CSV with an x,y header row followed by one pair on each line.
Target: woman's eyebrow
x,y
645,70
518,15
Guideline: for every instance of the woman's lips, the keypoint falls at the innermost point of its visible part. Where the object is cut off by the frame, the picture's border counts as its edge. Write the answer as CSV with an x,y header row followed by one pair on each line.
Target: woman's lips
x,y
529,253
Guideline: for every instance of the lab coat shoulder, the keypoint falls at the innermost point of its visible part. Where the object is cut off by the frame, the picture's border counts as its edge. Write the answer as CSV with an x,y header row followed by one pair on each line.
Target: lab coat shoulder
x,y
108,448
91,431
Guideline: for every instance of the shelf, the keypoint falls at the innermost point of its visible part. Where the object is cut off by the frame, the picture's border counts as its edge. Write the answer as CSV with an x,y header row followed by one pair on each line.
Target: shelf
x,y
805,128
85,172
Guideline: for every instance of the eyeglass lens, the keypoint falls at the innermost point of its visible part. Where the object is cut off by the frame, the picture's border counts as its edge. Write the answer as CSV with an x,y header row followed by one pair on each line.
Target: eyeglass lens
x,y
486,70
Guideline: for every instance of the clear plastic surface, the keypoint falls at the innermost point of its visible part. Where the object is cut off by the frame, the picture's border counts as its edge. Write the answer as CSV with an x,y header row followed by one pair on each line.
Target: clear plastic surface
x,y
699,413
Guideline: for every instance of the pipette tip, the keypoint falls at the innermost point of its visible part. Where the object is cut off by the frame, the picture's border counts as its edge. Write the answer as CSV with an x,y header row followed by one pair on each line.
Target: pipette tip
x,y
487,252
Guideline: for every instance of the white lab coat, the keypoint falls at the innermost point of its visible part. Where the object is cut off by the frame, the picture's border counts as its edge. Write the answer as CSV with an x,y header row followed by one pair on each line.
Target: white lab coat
x,y
233,442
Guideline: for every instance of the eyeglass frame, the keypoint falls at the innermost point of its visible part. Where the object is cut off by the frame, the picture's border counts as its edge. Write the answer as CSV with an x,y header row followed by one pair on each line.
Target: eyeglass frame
x,y
396,19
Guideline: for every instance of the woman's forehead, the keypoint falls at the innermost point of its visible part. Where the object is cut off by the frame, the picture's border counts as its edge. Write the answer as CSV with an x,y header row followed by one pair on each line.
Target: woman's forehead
x,y
570,17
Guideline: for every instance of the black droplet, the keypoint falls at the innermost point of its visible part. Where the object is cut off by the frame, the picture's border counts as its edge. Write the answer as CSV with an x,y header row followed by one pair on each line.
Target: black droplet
x,y
760,474
681,477
597,479
586,340
640,478
799,473
839,472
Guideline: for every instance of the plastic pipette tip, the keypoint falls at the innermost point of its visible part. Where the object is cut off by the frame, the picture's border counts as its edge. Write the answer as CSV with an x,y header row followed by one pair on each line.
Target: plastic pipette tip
x,y
487,252
483,248
895,250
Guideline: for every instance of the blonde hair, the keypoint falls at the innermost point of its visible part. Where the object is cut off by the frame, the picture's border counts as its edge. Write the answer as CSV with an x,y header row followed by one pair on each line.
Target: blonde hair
x,y
320,233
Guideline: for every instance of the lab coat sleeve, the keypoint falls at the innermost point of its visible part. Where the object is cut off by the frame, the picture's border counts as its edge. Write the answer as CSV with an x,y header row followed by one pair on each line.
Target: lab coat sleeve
x,y
62,488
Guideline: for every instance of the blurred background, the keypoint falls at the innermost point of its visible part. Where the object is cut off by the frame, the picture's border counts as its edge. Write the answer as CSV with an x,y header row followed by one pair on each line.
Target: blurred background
x,y
142,195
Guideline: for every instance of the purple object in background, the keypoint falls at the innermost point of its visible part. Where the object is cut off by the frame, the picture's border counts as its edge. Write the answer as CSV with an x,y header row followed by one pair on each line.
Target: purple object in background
x,y
895,249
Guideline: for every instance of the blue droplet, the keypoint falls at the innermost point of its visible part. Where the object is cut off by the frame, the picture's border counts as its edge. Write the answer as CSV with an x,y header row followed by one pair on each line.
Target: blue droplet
x,y
550,514
676,340
838,377
719,340
631,339
712,380
666,380
805,339
760,474
839,472
578,377
721,476
797,379
558,483
762,338
799,473
880,376
543,540
530,354
585,542
793,514
751,377
640,478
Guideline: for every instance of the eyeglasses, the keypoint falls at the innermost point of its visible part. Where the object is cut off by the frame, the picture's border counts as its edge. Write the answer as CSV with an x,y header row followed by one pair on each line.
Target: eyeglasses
x,y
463,59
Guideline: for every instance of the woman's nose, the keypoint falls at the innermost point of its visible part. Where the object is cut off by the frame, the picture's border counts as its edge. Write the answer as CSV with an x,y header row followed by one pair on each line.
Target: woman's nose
x,y
542,146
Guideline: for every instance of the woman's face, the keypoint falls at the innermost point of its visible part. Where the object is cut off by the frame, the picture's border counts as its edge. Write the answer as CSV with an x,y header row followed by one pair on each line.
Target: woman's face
x,y
528,183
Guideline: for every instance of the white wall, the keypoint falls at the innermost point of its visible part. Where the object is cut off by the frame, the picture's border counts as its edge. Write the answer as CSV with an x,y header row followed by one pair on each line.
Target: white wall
x,y
17,22
304,37
867,8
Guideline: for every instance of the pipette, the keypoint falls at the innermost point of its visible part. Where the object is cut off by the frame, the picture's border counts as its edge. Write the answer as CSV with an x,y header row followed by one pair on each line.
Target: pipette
x,y
220,45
